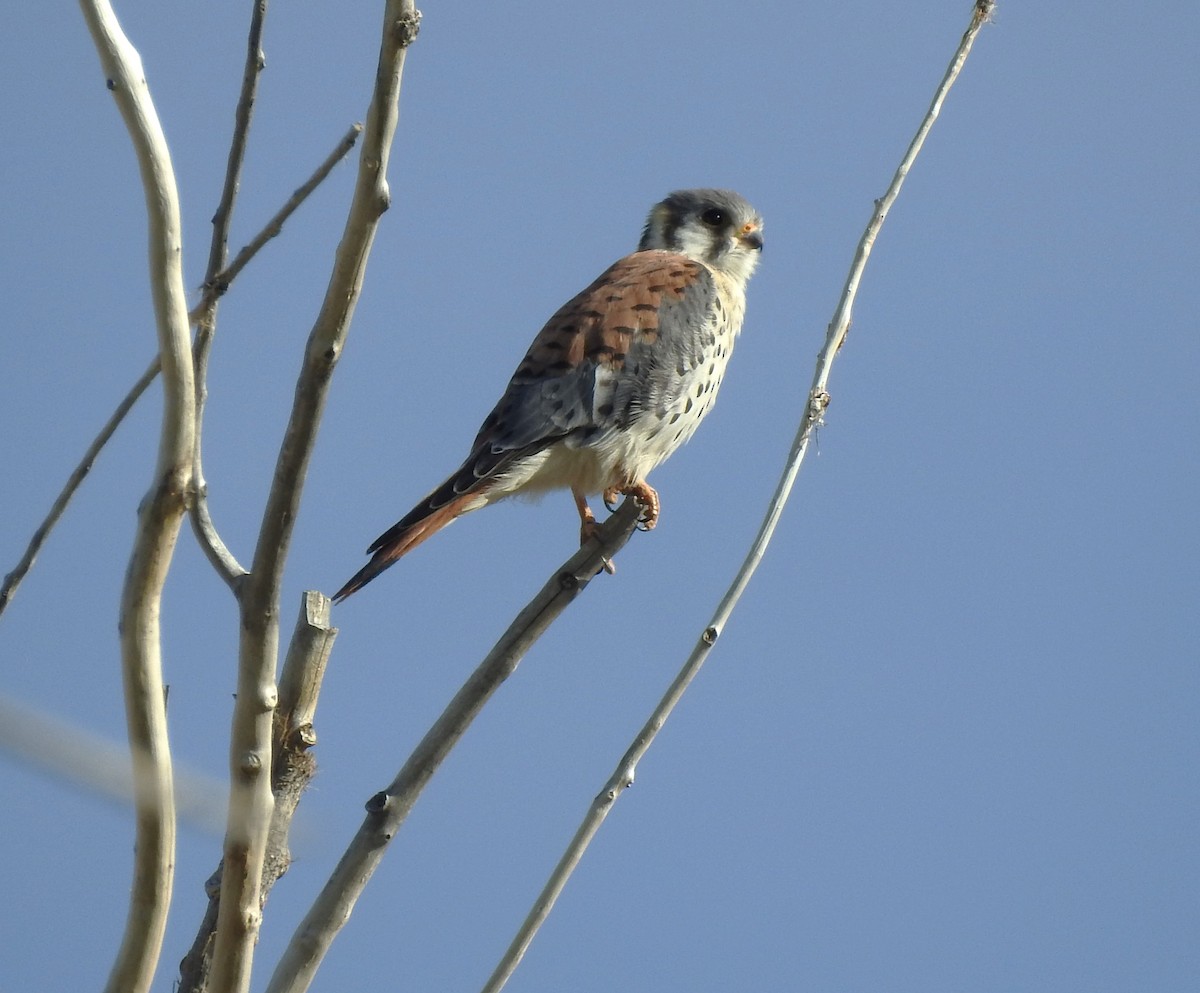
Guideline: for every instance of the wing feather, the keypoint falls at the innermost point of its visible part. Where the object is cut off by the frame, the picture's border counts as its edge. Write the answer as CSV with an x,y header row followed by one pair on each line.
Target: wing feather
x,y
591,368
618,349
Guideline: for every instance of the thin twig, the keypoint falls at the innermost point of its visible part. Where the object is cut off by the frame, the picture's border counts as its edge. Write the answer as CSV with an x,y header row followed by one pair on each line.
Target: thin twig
x,y
388,809
220,285
250,798
159,516
14,578
216,284
217,552
623,776
251,70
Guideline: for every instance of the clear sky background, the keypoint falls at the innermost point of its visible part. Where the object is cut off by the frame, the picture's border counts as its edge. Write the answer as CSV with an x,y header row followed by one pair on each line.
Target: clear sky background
x,y
949,741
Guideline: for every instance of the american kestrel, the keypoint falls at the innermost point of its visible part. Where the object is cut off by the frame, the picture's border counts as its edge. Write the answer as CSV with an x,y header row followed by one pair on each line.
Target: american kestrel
x,y
619,377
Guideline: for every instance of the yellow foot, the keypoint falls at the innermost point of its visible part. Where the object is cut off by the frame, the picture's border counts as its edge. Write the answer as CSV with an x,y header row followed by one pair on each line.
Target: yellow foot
x,y
644,494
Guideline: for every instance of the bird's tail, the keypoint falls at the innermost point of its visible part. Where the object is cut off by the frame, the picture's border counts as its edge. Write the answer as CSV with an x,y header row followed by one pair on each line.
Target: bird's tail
x,y
422,521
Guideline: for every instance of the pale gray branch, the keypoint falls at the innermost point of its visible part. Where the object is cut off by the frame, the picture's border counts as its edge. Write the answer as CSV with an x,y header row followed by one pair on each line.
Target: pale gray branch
x,y
226,565
251,70
623,775
294,734
159,516
294,768
217,552
220,283
387,810
251,800
219,286
21,569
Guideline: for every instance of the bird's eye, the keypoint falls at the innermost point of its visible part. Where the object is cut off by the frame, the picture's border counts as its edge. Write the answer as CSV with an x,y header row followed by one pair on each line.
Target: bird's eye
x,y
714,217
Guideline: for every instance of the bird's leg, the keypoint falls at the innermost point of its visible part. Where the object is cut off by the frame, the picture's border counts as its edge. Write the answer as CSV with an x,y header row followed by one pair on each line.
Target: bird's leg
x,y
643,493
588,527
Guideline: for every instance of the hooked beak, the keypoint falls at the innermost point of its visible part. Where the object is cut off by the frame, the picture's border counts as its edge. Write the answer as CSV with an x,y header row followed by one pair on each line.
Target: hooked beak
x,y
751,237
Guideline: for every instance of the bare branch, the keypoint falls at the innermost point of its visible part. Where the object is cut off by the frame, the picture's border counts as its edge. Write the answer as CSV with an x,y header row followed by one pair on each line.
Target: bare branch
x,y
219,555
14,578
159,516
294,736
219,286
223,218
294,768
388,809
251,801
304,667
623,775
215,286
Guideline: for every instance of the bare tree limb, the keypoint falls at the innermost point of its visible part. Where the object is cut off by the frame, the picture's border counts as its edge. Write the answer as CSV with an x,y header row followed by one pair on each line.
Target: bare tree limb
x,y
294,735
159,516
222,220
218,554
21,569
294,769
623,776
215,550
388,809
251,800
219,286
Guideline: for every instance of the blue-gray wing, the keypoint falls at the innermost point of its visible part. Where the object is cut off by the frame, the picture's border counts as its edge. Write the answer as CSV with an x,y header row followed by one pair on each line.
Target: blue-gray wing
x,y
621,348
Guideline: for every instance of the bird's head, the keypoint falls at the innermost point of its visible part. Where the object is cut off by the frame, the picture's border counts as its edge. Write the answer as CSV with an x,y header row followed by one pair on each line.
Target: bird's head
x,y
716,227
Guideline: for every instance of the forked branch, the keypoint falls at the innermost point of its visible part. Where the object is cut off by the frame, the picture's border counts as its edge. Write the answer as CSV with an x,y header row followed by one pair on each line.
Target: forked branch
x,y
388,809
294,768
250,800
219,555
217,288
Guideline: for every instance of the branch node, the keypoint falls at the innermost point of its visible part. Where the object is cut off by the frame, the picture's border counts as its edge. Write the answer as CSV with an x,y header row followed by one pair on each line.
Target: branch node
x,y
251,762
407,28
818,403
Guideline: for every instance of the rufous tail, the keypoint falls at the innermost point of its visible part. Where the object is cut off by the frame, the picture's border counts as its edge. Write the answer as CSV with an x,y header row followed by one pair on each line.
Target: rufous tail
x,y
403,538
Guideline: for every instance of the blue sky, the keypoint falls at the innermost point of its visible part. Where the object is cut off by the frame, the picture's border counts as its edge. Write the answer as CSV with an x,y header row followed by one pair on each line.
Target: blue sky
x,y
949,741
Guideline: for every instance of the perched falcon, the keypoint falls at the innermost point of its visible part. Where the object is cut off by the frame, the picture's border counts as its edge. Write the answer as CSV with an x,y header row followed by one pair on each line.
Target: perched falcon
x,y
616,381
